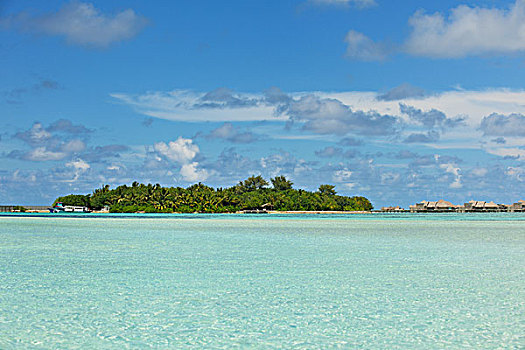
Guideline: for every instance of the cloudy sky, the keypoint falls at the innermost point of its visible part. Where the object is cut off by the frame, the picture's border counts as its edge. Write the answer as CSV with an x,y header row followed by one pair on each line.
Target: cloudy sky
x,y
398,101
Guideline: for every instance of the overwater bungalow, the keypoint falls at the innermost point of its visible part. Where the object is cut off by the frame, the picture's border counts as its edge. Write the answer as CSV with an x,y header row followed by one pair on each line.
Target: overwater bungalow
x,y
392,209
431,206
481,206
517,207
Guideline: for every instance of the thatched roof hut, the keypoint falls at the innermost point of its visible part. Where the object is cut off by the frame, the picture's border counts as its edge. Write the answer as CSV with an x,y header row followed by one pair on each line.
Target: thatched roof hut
x,y
444,205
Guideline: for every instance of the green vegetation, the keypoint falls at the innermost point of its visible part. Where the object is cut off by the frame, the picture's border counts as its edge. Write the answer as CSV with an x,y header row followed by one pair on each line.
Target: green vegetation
x,y
251,193
19,208
75,200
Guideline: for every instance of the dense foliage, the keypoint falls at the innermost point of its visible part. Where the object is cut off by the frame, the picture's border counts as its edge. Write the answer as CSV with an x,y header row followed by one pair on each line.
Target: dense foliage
x,y
252,193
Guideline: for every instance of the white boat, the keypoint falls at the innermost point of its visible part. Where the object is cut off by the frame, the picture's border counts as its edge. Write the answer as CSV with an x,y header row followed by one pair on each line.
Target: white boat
x,y
74,209
61,208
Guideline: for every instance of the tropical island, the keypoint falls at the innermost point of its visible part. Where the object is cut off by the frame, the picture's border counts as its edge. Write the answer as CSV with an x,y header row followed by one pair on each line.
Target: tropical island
x,y
253,193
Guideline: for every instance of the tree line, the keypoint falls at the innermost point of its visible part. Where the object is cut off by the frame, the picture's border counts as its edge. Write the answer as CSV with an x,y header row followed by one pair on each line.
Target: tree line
x,y
252,193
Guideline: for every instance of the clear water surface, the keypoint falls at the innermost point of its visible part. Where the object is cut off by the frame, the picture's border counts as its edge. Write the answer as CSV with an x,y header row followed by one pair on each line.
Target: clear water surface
x,y
263,281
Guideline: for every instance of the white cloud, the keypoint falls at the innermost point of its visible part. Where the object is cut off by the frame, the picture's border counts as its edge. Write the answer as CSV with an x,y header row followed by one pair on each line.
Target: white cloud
x,y
48,146
518,153
475,105
79,167
81,23
35,136
516,173
479,172
343,175
468,31
180,105
361,47
328,114
389,178
190,173
454,170
503,125
74,146
188,106
229,132
20,177
181,150
78,164
43,154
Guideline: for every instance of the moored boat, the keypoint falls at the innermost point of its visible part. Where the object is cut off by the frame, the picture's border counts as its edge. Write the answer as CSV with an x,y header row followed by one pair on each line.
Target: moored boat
x,y
61,208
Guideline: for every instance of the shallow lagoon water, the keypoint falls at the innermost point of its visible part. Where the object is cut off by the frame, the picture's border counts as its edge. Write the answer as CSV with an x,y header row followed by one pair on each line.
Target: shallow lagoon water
x,y
274,281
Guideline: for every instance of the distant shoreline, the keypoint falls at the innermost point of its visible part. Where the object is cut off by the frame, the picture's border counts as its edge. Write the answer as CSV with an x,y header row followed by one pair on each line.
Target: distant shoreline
x,y
267,213
240,212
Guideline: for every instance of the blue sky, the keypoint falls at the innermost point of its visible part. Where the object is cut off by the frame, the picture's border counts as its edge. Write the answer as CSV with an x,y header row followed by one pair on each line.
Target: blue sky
x,y
395,101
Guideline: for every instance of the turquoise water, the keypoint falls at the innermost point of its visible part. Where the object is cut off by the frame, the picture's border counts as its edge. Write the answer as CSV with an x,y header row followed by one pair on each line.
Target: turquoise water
x,y
228,281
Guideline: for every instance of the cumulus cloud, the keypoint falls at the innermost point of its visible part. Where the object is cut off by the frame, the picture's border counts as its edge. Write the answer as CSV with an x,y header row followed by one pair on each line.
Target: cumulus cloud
x,y
190,173
465,31
431,119
78,164
35,135
183,152
455,171
402,92
468,31
82,24
50,152
74,146
317,114
41,154
341,113
231,166
516,173
79,167
479,172
230,133
360,47
225,98
285,163
503,125
513,153
331,116
47,145
343,175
